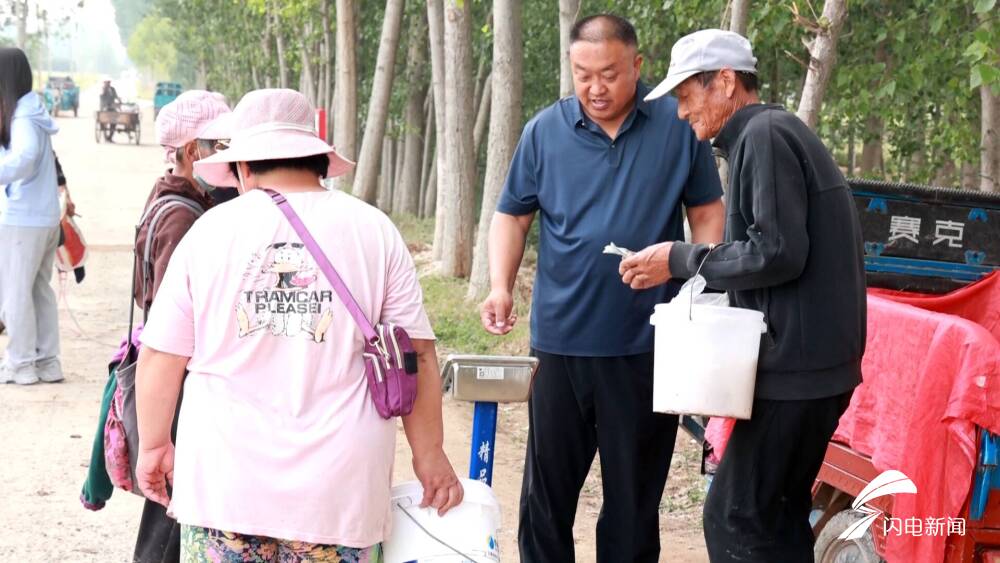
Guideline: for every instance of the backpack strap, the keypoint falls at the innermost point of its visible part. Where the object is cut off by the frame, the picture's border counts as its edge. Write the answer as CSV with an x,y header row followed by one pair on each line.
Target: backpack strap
x,y
158,208
194,205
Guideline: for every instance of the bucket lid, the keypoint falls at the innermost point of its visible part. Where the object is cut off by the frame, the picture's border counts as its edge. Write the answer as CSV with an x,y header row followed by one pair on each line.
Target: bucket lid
x,y
410,493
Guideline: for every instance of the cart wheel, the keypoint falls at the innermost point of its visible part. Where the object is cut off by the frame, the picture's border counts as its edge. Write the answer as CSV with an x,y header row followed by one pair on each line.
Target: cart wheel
x,y
76,111
138,132
97,131
830,549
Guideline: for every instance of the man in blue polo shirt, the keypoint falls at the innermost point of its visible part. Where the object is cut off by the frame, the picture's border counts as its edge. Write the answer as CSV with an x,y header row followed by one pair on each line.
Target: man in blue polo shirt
x,y
601,166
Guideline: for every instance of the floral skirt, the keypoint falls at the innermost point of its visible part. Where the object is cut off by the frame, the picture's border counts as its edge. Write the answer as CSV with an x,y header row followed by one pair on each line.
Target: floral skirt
x,y
200,545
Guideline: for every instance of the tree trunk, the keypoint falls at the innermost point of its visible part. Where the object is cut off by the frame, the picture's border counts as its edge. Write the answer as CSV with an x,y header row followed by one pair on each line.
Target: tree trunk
x,y
428,155
388,150
459,177
482,118
390,177
307,78
202,75
871,151
568,12
408,194
970,176
255,78
378,107
431,195
383,171
397,171
279,41
872,157
989,160
479,83
326,74
505,121
945,177
345,121
265,47
850,153
21,9
776,93
915,166
740,16
822,54
435,31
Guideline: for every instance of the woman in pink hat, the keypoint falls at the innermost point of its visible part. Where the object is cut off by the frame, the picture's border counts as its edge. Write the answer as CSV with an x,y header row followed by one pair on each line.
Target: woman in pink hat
x,y
188,130
281,453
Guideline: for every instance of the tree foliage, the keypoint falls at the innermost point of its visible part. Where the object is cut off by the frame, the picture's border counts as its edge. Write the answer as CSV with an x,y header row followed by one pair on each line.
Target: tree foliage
x,y
153,47
934,55
128,14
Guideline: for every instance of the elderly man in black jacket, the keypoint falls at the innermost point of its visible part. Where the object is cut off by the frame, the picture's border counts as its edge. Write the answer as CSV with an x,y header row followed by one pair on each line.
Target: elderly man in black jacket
x,y
794,252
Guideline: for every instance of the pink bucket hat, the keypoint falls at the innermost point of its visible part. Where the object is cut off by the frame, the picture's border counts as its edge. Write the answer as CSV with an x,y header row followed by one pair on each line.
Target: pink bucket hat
x,y
220,128
184,119
269,124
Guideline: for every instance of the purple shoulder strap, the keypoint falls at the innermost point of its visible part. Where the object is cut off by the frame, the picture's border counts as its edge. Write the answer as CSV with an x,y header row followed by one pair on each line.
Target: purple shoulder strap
x,y
324,264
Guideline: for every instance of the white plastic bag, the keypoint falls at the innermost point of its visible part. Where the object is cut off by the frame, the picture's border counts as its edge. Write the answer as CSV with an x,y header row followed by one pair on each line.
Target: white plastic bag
x,y
694,289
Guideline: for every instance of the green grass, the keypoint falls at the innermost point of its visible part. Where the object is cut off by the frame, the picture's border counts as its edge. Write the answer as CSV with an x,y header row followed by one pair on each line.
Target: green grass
x,y
456,320
415,231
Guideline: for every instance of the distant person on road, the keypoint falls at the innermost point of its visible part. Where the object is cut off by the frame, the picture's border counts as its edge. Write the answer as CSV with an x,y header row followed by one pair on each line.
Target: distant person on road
x,y
280,453
184,127
598,167
29,228
109,97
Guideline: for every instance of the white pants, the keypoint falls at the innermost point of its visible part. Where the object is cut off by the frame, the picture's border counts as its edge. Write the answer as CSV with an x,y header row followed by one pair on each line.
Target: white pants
x,y
28,304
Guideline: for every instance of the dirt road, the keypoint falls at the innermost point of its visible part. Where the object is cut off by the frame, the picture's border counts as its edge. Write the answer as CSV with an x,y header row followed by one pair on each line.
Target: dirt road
x,y
46,431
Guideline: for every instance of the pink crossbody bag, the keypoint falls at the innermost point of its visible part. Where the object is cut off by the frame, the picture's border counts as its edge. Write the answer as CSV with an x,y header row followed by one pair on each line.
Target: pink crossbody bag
x,y
390,361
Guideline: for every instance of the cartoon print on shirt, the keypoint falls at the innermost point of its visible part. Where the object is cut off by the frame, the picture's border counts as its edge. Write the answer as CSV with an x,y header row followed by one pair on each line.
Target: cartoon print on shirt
x,y
282,299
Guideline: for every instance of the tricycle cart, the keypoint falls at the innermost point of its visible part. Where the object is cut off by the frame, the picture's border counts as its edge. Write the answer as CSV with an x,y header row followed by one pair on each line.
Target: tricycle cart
x,y
925,241
62,94
126,119
166,92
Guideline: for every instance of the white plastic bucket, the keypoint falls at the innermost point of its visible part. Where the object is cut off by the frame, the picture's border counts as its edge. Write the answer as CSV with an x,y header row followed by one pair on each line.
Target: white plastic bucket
x,y
705,359
472,528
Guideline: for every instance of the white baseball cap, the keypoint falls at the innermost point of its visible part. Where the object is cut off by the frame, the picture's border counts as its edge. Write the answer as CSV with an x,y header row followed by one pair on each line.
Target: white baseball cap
x,y
703,51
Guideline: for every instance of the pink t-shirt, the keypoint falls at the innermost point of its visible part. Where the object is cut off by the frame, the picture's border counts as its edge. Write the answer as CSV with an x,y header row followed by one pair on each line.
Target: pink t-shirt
x,y
277,433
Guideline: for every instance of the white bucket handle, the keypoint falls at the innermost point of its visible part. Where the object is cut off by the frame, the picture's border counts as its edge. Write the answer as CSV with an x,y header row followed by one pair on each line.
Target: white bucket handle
x,y
432,536
711,247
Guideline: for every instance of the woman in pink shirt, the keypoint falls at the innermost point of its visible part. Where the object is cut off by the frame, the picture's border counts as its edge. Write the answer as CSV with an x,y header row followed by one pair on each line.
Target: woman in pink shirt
x,y
280,451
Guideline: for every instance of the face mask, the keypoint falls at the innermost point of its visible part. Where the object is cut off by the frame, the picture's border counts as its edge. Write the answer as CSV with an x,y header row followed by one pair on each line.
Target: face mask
x,y
204,185
201,181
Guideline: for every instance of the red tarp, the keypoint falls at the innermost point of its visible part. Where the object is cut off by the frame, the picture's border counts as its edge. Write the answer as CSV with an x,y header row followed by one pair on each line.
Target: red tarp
x,y
931,375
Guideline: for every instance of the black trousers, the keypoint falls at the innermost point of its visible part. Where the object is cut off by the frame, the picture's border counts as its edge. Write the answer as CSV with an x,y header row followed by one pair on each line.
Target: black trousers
x,y
159,538
758,506
580,405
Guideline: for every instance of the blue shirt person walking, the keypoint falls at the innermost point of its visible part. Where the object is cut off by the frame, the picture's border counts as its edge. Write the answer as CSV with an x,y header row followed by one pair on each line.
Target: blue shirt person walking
x,y
597,167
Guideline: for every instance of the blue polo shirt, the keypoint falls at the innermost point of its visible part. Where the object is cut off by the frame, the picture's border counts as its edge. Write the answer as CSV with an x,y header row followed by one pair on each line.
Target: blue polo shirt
x,y
591,190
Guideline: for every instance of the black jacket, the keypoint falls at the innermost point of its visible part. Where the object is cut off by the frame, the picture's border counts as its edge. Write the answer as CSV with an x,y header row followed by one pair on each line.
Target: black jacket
x,y
793,251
